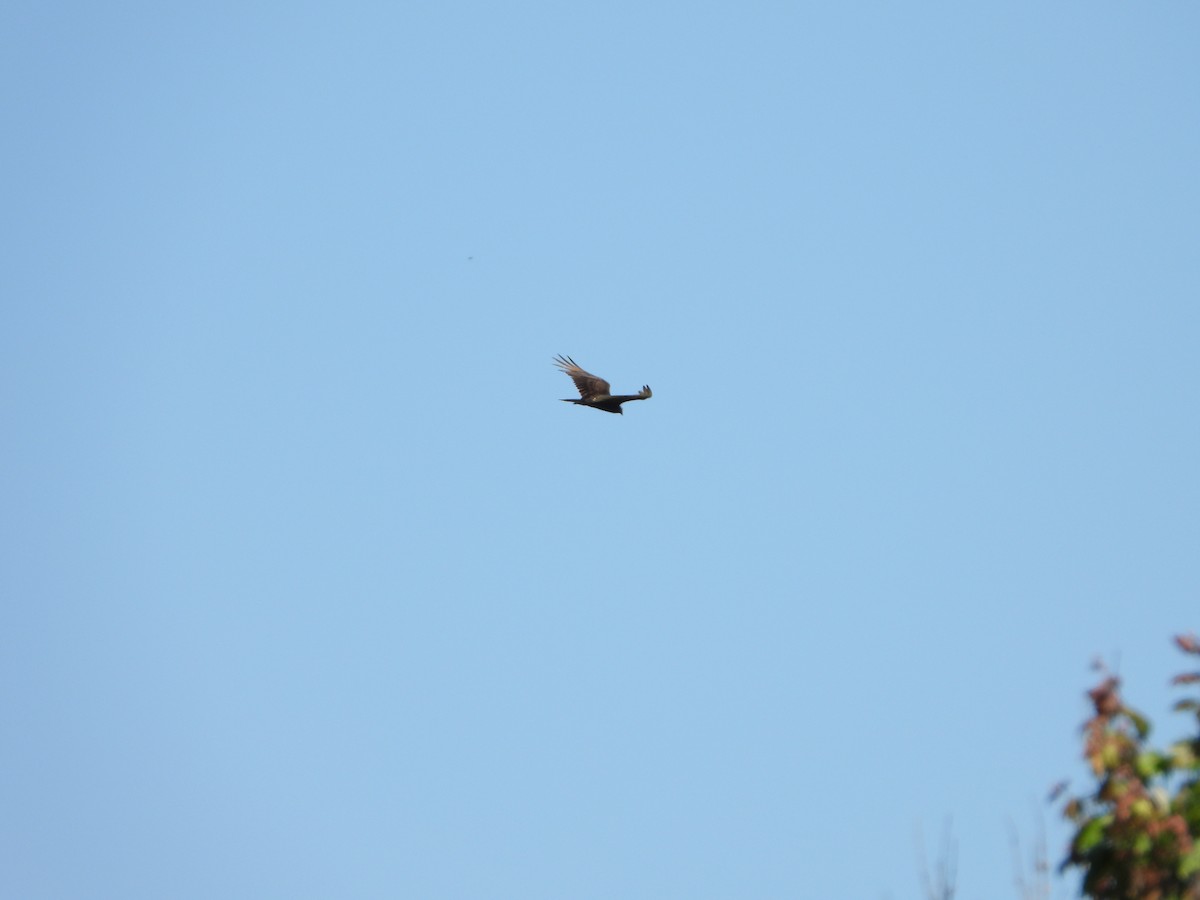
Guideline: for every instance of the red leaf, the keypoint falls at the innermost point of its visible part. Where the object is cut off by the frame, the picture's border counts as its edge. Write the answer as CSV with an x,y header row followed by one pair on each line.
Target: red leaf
x,y
1187,643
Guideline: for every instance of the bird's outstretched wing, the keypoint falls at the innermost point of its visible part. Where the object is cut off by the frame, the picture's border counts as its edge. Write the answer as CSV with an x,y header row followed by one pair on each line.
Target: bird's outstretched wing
x,y
591,387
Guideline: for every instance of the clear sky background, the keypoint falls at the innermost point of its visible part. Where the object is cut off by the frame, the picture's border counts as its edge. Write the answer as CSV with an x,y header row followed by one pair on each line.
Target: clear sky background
x,y
312,588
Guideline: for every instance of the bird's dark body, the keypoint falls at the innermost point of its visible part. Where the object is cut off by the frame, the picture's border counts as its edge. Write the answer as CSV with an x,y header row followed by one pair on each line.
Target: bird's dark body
x,y
595,391
612,405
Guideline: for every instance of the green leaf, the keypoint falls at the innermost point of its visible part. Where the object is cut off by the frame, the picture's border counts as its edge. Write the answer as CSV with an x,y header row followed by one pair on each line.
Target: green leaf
x,y
1183,756
1149,764
1190,864
1091,833
1140,722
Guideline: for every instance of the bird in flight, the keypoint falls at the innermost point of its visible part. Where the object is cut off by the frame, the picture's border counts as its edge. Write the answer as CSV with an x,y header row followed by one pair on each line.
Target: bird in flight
x,y
595,391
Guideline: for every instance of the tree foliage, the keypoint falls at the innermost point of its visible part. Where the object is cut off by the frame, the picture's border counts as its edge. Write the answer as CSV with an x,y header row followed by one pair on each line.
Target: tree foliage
x,y
1137,834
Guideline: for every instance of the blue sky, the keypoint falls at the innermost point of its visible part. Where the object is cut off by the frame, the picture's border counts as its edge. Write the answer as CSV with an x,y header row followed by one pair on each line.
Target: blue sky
x,y
314,589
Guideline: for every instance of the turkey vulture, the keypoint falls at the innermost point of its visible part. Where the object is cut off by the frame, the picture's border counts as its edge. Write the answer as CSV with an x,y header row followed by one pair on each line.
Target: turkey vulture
x,y
596,392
